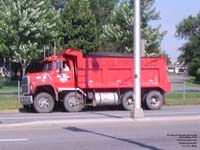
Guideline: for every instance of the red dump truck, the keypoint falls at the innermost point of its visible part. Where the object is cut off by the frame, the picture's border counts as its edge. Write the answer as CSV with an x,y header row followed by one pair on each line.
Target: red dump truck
x,y
95,79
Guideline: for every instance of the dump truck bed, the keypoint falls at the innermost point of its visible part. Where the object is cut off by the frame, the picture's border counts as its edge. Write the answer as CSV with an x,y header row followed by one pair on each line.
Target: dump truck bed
x,y
117,72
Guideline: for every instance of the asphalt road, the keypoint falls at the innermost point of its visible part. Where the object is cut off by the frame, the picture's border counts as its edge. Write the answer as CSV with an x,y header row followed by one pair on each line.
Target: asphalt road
x,y
179,83
172,135
171,128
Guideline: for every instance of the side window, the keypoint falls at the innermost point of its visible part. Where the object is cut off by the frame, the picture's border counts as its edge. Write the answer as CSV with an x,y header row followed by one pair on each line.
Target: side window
x,y
66,66
58,65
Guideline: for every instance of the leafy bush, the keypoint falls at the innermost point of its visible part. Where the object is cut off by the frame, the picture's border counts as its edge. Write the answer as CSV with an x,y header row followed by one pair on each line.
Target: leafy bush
x,y
192,68
1,81
198,75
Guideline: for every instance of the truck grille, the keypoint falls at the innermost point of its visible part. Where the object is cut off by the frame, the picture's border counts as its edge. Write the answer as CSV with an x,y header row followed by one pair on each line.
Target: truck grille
x,y
25,85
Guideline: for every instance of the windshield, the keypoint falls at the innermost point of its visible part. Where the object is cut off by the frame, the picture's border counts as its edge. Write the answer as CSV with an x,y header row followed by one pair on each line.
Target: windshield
x,y
47,66
33,67
39,67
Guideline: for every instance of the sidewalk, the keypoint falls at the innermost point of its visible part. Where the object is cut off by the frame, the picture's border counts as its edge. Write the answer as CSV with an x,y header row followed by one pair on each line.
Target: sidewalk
x,y
77,122
167,114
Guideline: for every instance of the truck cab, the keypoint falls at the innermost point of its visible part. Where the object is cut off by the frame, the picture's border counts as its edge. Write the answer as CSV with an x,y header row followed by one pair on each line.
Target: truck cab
x,y
42,87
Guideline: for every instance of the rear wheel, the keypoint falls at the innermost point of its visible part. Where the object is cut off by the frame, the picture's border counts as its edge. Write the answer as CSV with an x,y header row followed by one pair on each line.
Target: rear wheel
x,y
154,100
73,102
43,103
128,100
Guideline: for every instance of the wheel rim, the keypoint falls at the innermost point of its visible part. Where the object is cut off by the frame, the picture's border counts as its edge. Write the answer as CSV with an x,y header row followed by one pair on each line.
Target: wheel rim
x,y
129,101
154,101
43,103
74,102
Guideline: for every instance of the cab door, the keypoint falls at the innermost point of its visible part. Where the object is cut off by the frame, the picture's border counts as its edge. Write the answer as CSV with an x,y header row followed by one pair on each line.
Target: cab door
x,y
65,77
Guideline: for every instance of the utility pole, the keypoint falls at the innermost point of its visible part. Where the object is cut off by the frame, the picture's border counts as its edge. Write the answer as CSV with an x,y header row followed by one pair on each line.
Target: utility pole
x,y
54,49
137,111
44,52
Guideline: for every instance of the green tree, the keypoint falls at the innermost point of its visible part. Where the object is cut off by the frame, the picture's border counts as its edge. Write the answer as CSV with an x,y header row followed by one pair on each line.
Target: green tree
x,y
79,26
119,33
58,4
188,29
167,57
102,10
26,27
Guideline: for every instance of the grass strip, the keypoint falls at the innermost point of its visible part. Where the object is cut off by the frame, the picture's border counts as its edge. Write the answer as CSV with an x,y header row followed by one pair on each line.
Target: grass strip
x,y
8,102
179,98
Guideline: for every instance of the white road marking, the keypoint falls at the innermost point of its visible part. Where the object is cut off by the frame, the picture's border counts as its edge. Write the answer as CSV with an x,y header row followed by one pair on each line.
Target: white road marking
x,y
13,140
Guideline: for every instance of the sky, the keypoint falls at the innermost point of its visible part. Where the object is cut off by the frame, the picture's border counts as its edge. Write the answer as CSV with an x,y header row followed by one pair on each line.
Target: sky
x,y
172,12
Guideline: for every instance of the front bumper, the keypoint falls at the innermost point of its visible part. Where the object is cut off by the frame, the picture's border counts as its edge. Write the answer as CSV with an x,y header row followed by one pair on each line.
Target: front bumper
x,y
26,100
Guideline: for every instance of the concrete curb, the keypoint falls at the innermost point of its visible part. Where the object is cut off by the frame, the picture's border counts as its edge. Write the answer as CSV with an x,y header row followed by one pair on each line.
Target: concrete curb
x,y
59,123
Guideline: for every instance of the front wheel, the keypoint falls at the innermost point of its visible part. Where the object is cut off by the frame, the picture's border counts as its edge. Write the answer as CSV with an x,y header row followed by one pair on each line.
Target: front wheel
x,y
154,100
73,102
43,103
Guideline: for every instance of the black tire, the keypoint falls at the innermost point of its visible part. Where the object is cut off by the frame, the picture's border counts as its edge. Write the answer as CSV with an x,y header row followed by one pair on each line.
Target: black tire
x,y
73,102
143,101
43,103
128,100
28,108
154,100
